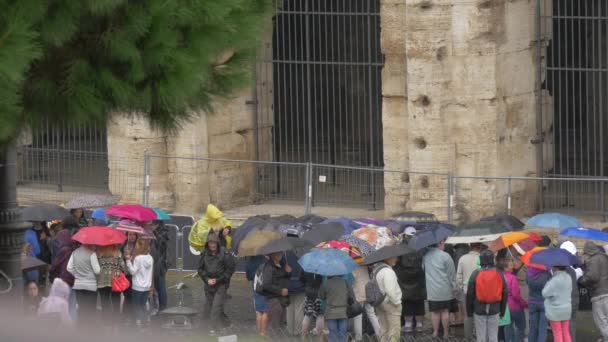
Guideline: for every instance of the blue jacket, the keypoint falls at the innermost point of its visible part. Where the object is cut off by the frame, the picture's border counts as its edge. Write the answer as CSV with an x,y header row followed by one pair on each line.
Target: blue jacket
x,y
557,294
32,238
536,282
252,266
295,283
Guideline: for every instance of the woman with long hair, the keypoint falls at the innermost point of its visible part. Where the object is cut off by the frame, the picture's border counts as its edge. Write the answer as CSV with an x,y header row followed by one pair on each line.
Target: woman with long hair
x,y
111,265
141,269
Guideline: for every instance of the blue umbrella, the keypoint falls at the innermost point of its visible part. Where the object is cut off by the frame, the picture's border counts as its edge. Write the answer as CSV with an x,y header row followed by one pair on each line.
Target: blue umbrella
x,y
327,262
554,257
553,220
430,236
585,233
100,214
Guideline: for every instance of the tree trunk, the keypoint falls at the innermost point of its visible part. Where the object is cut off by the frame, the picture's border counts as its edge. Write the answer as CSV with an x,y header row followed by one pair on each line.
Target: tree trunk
x,y
11,226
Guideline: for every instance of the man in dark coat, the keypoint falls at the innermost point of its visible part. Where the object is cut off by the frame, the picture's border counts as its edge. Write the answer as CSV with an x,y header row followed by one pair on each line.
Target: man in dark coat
x,y
159,254
216,267
411,279
275,283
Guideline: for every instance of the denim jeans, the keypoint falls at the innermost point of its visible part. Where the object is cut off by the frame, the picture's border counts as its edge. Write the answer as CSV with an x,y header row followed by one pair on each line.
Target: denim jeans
x,y
516,331
337,329
161,292
139,299
538,323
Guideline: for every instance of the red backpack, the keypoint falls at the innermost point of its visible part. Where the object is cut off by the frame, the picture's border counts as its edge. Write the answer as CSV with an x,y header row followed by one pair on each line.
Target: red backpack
x,y
488,287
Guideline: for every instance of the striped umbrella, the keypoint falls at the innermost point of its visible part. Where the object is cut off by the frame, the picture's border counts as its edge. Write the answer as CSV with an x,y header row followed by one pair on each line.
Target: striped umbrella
x,y
130,227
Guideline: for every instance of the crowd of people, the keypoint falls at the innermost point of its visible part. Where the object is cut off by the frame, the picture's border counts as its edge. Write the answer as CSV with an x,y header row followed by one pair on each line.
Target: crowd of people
x,y
493,294
85,279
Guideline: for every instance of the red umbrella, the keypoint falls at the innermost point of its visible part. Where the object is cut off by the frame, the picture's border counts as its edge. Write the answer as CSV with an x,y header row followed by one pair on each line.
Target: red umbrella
x,y
100,236
132,211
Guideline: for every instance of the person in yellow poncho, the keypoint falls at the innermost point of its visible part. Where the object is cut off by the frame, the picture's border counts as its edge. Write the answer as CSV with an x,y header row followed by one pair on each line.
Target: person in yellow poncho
x,y
213,219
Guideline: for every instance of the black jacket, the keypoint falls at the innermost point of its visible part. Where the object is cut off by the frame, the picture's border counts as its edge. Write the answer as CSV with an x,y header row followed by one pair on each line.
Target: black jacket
x,y
475,307
595,278
274,279
411,277
159,250
219,266
312,283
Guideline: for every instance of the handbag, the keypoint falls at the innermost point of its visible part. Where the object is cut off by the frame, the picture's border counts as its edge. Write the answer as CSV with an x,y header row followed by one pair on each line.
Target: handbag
x,y
120,283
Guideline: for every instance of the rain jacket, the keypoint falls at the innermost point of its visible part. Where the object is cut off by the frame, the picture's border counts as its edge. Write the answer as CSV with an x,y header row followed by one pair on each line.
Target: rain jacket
x,y
213,218
516,301
388,284
57,302
141,270
440,275
219,266
411,277
32,238
159,250
274,279
557,293
595,277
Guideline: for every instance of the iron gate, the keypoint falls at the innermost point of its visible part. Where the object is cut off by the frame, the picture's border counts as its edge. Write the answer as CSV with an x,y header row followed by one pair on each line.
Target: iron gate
x,y
319,99
65,154
574,89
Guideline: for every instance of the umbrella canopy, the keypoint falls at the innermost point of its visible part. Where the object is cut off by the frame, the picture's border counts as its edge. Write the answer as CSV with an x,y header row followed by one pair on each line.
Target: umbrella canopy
x,y
327,262
161,215
255,240
100,214
43,212
510,222
323,232
526,258
347,248
100,236
388,252
430,236
348,224
585,233
507,240
477,232
288,243
415,217
90,201
553,220
363,246
524,246
554,257
132,211
254,222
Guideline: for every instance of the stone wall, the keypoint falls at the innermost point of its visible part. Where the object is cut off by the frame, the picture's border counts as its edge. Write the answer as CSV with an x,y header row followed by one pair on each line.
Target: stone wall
x,y
469,71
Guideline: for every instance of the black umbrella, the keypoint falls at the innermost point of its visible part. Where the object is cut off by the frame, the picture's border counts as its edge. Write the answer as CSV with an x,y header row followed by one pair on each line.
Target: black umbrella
x,y
43,212
477,232
324,232
300,246
387,252
510,222
430,236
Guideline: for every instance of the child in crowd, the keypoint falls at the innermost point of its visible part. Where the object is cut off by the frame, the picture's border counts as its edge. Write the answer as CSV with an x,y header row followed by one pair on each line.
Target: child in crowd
x,y
558,308
140,267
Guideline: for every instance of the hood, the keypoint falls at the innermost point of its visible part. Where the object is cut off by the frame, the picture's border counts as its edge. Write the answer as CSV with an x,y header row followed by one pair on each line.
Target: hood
x,y
60,289
212,237
100,214
592,249
213,213
486,258
64,237
569,246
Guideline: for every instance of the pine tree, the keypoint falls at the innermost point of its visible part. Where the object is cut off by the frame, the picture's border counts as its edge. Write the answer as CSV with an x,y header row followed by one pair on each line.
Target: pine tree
x,y
79,60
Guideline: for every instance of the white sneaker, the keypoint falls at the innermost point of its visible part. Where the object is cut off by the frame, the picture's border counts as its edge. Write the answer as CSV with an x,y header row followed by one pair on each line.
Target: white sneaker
x,y
407,328
419,327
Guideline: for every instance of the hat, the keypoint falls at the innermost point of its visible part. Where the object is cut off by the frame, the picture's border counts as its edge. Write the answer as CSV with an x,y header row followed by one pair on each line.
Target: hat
x,y
410,231
569,246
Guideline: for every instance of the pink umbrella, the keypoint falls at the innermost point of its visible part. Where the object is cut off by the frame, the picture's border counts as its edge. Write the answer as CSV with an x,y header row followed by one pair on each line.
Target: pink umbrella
x,y
132,211
100,236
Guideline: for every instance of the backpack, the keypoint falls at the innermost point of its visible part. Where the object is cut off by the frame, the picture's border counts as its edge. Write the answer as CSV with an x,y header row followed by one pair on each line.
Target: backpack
x,y
488,286
258,279
373,294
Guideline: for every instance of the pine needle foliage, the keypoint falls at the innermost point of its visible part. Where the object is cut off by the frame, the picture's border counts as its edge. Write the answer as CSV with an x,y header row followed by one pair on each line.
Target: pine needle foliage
x,y
80,60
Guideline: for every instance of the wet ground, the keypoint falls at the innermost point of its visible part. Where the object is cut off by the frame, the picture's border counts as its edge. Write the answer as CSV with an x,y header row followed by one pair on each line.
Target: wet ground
x,y
239,309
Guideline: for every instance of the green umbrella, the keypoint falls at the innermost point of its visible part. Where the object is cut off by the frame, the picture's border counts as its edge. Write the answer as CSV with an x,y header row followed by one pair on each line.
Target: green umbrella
x,y
161,215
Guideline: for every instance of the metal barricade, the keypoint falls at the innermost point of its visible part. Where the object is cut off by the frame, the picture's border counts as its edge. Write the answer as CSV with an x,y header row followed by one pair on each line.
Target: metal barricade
x,y
173,247
189,260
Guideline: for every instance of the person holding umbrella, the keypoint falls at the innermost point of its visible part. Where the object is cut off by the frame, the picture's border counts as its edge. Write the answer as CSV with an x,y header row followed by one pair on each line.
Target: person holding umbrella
x,y
84,266
275,280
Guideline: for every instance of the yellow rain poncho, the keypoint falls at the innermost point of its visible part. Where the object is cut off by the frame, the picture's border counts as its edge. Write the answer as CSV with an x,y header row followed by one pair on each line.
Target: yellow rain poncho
x,y
213,219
